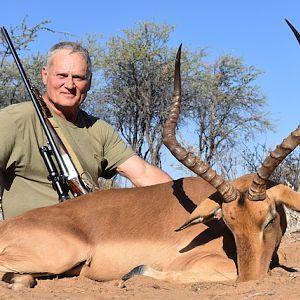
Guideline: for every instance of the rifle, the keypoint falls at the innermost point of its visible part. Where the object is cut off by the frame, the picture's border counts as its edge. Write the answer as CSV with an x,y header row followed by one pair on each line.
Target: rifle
x,y
67,177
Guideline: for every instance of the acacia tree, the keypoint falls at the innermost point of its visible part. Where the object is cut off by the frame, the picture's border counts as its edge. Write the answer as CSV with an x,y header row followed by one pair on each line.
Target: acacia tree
x,y
138,70
226,108
219,98
12,89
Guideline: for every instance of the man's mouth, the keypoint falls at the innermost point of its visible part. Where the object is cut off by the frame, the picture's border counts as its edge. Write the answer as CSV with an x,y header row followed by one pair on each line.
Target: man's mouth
x,y
68,94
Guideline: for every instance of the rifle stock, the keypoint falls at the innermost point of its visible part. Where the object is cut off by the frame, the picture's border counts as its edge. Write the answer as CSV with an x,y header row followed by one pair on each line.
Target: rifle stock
x,y
67,177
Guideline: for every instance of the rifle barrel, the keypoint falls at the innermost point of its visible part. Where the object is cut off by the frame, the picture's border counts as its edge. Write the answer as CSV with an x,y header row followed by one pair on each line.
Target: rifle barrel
x,y
54,149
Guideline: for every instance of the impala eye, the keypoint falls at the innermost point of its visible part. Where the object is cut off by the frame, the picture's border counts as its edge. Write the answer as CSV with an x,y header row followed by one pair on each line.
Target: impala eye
x,y
270,223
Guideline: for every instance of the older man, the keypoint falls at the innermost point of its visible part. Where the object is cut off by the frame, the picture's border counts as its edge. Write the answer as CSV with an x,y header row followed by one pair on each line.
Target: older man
x,y
100,150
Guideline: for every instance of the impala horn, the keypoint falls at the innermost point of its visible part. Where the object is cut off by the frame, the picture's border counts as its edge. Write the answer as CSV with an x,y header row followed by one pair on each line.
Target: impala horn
x,y
195,164
296,33
257,190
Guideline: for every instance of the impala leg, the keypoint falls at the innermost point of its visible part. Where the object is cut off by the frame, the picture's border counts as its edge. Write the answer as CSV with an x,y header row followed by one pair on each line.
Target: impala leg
x,y
180,276
191,267
18,281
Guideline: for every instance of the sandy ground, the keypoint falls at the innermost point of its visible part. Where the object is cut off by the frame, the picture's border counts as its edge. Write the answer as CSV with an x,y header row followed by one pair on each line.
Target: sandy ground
x,y
280,284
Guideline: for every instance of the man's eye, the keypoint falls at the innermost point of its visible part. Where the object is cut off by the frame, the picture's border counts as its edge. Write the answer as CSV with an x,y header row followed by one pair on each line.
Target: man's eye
x,y
79,78
60,76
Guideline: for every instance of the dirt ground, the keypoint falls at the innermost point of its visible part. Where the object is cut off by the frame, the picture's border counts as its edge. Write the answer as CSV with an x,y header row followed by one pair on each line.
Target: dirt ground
x,y
280,284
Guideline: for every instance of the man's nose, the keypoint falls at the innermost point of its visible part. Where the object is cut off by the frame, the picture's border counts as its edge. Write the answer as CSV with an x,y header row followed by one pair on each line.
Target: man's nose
x,y
69,82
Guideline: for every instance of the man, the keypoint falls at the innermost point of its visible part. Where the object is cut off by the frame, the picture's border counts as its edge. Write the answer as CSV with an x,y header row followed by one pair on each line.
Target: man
x,y
67,78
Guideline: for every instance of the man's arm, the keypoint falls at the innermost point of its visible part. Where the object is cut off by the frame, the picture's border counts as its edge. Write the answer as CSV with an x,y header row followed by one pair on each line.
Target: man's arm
x,y
141,173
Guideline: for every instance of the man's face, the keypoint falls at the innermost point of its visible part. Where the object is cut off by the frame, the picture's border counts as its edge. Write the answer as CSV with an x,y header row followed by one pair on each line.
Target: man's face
x,y
67,79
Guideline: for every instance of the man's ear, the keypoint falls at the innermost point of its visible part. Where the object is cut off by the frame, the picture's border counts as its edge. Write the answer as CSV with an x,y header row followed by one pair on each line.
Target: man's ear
x,y
90,83
44,75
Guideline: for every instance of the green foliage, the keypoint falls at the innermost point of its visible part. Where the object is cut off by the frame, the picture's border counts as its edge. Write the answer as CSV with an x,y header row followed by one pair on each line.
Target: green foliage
x,y
12,89
227,108
138,71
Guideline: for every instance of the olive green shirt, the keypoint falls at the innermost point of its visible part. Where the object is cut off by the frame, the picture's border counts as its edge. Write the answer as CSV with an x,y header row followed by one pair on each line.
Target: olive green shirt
x,y
96,144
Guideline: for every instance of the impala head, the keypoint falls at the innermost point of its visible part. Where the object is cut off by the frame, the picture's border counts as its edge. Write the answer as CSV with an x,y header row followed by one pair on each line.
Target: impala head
x,y
249,208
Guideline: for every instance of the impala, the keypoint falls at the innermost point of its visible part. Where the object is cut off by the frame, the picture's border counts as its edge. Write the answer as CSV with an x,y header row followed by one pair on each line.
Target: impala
x,y
103,235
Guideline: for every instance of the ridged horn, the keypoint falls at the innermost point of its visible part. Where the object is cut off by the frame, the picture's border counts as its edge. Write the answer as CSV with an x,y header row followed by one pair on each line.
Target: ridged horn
x,y
228,191
296,33
257,190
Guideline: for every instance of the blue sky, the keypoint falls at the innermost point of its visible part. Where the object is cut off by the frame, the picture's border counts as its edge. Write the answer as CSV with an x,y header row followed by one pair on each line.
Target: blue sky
x,y
254,30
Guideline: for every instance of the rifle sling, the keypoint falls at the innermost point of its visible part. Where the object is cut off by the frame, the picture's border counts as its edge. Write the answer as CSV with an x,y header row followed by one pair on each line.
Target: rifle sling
x,y
86,177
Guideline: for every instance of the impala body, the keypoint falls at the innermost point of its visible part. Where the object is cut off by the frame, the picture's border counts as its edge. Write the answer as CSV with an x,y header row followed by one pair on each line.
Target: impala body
x,y
103,235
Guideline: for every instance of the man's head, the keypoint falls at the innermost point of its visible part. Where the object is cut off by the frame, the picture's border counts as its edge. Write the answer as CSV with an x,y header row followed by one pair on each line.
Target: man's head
x,y
74,48
67,77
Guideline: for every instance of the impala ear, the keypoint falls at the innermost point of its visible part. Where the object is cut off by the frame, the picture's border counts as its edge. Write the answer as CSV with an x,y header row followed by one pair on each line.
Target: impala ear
x,y
206,211
285,195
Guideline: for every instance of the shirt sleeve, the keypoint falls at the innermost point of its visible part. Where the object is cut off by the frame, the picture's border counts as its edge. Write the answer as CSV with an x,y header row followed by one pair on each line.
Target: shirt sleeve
x,y
8,138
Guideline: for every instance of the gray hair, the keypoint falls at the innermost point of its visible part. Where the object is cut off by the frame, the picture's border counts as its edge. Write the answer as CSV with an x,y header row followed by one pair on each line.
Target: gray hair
x,y
74,48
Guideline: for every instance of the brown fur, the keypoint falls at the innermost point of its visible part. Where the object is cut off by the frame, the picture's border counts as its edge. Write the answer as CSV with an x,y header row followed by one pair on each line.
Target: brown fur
x,y
105,234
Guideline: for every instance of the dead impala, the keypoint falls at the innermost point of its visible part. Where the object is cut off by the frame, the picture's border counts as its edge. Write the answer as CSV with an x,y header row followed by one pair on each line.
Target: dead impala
x,y
106,234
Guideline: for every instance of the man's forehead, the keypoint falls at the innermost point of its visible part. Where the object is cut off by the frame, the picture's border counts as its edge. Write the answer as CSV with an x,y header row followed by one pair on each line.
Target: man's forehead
x,y
65,60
